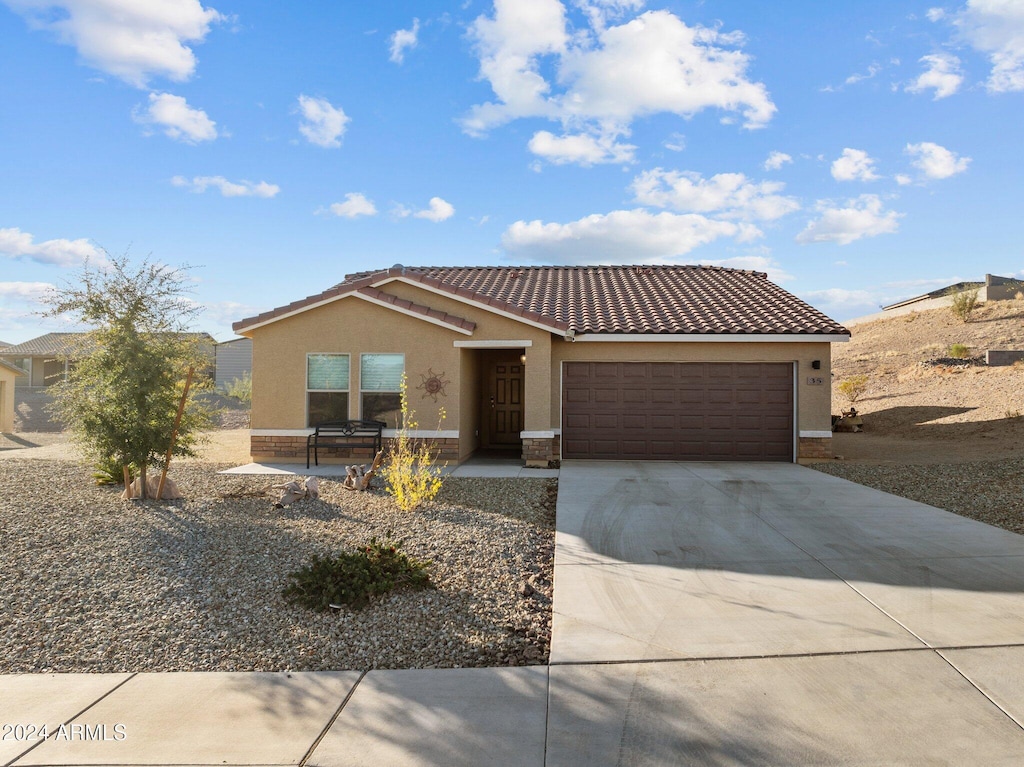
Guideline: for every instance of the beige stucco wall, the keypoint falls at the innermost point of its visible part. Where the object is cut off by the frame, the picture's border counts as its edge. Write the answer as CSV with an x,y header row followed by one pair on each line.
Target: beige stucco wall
x,y
349,326
469,395
813,402
7,380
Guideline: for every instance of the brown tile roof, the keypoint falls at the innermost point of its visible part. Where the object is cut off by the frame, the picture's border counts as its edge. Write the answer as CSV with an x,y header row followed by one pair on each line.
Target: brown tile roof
x,y
60,344
609,299
54,344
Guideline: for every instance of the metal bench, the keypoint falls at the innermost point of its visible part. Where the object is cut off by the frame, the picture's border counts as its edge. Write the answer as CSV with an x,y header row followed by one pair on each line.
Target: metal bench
x,y
348,434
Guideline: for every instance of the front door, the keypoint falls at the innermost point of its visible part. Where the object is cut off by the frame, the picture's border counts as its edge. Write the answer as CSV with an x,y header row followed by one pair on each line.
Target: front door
x,y
502,401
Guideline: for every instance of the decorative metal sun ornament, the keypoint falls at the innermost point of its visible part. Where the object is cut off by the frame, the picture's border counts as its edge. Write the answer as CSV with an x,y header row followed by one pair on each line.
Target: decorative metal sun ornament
x,y
433,384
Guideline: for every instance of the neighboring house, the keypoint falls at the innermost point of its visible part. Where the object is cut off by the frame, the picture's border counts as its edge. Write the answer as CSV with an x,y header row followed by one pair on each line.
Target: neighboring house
x,y
47,359
234,360
994,288
9,374
659,362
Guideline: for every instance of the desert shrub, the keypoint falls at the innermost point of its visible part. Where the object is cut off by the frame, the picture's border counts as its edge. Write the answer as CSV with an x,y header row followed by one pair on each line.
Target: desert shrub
x,y
354,579
240,389
853,387
959,351
964,304
109,471
410,474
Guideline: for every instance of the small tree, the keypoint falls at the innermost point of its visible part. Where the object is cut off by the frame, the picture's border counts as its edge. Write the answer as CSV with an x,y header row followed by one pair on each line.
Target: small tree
x,y
853,387
240,389
964,304
122,394
410,475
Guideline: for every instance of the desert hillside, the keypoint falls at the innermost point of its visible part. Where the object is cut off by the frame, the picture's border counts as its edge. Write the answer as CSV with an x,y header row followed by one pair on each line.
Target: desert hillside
x,y
947,411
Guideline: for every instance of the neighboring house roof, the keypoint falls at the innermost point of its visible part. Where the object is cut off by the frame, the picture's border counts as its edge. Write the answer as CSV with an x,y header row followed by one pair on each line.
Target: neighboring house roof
x,y
11,368
60,344
595,299
50,344
958,287
4,344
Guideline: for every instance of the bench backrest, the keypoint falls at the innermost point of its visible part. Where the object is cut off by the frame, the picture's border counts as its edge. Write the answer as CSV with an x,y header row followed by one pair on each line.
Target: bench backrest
x,y
350,428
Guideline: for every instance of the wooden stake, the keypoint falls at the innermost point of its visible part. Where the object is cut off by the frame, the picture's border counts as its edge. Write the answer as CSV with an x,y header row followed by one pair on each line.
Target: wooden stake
x,y
174,435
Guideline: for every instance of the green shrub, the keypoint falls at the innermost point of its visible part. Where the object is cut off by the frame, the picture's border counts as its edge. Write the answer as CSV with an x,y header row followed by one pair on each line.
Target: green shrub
x,y
356,579
240,389
853,387
964,304
110,472
959,351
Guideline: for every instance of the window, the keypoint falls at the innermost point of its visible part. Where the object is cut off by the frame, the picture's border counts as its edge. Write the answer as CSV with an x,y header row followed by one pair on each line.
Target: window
x,y
380,383
326,388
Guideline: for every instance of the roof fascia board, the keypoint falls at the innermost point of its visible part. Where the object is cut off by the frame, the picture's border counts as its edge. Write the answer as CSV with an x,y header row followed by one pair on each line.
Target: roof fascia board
x,y
416,315
776,338
497,344
339,297
470,302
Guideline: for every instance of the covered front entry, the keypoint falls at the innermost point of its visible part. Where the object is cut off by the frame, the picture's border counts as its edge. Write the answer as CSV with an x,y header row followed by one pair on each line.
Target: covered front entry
x,y
678,411
502,402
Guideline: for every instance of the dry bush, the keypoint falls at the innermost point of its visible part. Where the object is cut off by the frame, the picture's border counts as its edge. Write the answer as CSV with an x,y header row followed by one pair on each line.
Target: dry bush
x,y
964,304
853,387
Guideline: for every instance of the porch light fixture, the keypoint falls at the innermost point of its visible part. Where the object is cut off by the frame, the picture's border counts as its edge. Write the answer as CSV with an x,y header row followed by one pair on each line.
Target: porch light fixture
x,y
522,358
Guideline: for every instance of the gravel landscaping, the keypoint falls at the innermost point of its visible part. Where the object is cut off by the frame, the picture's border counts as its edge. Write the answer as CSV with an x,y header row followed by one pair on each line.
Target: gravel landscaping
x,y
989,491
92,583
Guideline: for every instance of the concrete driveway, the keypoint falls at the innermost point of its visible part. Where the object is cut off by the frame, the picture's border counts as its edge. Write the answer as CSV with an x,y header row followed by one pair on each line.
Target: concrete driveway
x,y
712,614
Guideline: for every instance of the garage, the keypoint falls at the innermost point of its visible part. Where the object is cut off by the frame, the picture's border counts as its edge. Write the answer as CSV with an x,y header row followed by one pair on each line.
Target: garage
x,y
678,411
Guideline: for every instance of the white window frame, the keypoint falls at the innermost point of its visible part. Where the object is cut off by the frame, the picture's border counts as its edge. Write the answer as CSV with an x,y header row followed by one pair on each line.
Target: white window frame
x,y
347,390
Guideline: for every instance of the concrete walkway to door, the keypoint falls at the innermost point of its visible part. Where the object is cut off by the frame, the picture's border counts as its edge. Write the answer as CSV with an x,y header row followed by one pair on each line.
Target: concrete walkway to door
x,y
711,614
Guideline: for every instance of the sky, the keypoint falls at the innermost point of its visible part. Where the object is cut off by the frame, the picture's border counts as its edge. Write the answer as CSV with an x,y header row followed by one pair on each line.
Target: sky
x,y
859,153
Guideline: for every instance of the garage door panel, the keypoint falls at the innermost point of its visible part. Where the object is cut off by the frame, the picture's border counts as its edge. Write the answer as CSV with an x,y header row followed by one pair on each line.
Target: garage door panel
x,y
678,411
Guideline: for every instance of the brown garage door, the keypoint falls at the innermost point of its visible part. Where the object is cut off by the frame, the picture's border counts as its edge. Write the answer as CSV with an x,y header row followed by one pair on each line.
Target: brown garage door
x,y
678,411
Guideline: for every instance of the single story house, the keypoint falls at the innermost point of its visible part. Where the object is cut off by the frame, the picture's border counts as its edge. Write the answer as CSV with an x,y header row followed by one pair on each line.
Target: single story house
x,y
9,374
613,362
234,361
47,358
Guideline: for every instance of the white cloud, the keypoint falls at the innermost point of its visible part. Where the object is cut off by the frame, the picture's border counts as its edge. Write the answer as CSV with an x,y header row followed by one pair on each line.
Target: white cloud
x,y
942,73
873,70
403,40
355,205
15,243
324,124
729,195
439,210
862,217
604,78
842,297
600,12
582,149
776,160
996,28
130,39
854,165
622,236
675,143
903,179
178,120
936,161
935,14
25,290
200,184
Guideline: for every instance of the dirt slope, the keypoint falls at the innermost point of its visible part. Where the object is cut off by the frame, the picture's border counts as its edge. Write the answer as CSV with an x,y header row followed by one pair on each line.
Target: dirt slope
x,y
921,413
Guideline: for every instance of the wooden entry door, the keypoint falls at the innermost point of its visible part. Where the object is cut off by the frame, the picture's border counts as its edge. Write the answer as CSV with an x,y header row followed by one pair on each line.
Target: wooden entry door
x,y
502,400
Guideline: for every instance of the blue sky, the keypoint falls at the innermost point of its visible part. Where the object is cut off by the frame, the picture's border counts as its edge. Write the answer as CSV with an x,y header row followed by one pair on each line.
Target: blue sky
x,y
859,153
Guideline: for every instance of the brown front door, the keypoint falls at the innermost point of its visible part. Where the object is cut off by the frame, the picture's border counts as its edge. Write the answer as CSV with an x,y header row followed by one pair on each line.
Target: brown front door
x,y
503,400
